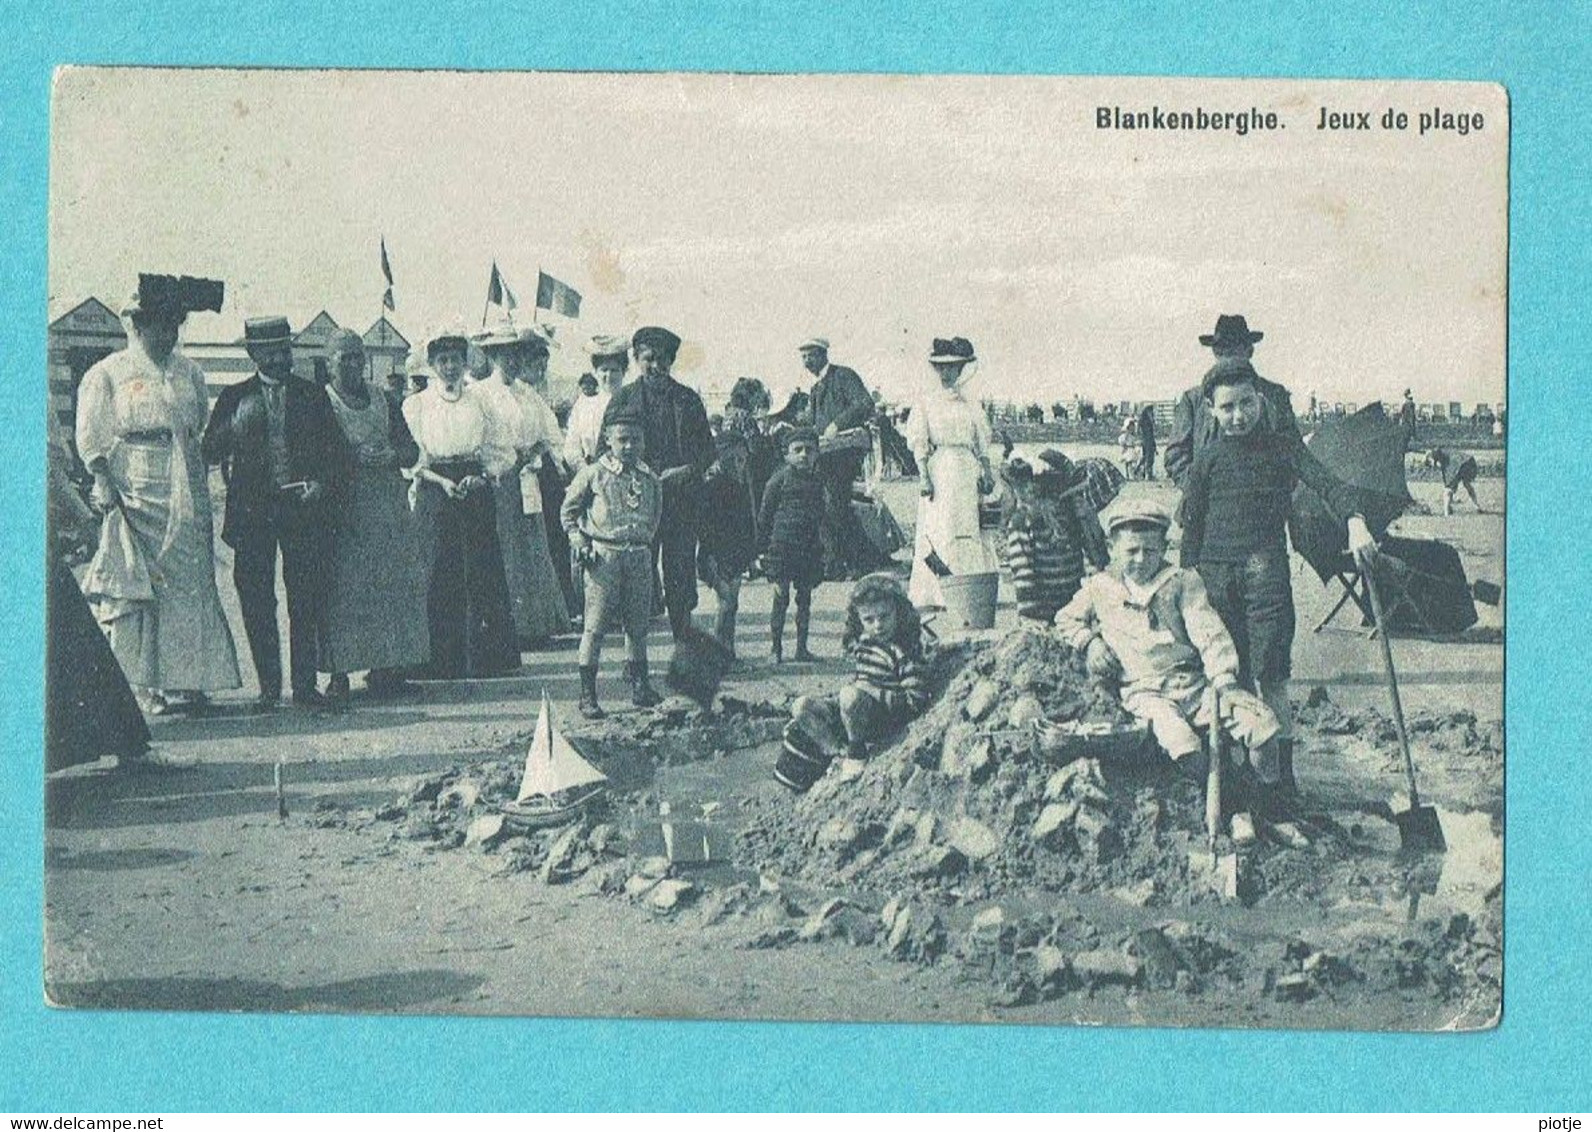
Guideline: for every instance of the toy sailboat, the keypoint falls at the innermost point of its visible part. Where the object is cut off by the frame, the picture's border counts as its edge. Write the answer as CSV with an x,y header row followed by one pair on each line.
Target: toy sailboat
x,y
558,782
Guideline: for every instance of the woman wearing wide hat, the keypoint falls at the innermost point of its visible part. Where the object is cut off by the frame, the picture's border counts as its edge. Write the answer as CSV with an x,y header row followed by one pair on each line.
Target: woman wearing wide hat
x,y
536,596
140,417
950,439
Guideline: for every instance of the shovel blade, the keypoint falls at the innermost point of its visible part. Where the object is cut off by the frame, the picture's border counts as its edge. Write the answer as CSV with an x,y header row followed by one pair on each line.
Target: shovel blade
x,y
1420,831
1221,872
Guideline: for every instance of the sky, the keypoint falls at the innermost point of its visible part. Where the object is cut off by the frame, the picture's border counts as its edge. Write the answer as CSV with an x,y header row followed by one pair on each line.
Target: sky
x,y
748,213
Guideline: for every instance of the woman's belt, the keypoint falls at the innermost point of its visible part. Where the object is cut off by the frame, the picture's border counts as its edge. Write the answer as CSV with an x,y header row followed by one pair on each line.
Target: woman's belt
x,y
147,436
457,469
619,544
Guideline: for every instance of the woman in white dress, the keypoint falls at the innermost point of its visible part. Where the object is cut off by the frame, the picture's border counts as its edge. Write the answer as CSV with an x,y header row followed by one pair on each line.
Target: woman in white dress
x,y
140,415
461,440
950,439
583,434
535,596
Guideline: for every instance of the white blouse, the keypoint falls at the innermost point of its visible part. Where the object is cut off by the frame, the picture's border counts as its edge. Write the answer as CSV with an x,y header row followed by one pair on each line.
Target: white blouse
x,y
505,423
944,418
127,392
539,424
449,429
585,428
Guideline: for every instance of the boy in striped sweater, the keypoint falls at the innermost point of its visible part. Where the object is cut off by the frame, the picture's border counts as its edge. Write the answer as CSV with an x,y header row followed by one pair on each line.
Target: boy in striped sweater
x,y
1051,531
884,637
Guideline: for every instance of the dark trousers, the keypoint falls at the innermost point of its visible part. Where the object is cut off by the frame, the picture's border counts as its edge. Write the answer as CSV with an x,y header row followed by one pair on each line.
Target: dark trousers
x,y
1254,599
1147,461
846,547
675,552
305,544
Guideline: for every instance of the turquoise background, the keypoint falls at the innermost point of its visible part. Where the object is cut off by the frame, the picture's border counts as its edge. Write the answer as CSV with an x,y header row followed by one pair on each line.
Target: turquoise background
x,y
1537,1060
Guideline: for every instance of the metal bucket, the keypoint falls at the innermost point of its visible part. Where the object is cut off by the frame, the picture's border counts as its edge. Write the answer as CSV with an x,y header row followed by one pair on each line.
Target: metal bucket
x,y
970,600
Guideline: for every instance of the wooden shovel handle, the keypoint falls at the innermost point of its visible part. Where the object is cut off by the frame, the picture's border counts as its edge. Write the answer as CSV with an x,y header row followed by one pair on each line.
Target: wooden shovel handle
x,y
1392,677
1213,780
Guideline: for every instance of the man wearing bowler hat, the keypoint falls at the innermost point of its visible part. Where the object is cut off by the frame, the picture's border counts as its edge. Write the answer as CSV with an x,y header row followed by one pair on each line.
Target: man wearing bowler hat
x,y
1193,426
678,445
839,403
282,457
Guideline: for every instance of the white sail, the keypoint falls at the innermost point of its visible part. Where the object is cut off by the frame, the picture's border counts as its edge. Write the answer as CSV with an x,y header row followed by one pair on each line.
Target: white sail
x,y
553,764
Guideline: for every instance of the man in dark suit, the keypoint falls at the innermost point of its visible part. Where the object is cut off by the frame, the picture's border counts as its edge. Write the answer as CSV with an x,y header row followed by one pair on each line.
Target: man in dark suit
x,y
839,403
283,458
678,445
1193,426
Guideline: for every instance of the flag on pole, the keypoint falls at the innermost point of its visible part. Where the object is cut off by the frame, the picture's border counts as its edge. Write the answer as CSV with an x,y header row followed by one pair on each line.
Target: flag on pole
x,y
386,271
560,298
497,291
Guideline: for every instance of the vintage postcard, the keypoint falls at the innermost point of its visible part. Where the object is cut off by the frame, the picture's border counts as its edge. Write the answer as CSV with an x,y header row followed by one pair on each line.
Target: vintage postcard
x,y
835,547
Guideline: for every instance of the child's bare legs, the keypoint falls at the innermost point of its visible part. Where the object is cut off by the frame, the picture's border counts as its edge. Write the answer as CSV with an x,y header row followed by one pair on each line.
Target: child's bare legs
x,y
591,644
637,618
728,592
776,619
804,620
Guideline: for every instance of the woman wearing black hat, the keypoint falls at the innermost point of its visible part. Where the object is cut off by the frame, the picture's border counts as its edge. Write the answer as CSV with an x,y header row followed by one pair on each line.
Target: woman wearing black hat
x,y
459,438
950,438
140,415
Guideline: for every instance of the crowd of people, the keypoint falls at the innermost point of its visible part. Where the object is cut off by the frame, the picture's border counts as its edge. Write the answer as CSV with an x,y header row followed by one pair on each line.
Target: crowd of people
x,y
439,526
440,529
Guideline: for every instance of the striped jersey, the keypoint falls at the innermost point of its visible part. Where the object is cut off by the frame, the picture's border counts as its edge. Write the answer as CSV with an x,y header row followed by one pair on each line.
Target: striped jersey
x,y
892,675
1046,559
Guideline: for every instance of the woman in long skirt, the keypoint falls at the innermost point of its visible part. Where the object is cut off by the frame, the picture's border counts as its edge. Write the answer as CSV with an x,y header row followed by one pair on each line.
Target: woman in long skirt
x,y
553,471
950,439
90,711
458,434
140,414
535,594
375,615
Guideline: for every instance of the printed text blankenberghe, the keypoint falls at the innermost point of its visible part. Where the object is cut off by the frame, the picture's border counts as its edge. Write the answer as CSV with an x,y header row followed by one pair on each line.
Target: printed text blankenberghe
x,y
1156,118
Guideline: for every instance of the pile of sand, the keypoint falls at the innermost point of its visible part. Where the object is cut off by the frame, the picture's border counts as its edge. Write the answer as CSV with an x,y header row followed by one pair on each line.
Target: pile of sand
x,y
965,802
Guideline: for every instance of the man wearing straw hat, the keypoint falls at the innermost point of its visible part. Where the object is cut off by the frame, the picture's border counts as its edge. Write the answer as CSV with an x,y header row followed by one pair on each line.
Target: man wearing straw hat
x,y
283,457
839,403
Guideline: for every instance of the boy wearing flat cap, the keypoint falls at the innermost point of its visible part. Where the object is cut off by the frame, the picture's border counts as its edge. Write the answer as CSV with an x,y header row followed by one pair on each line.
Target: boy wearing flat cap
x,y
679,447
1151,624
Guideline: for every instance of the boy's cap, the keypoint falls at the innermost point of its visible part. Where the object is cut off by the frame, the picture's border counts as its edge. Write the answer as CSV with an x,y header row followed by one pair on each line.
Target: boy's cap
x,y
1136,509
799,433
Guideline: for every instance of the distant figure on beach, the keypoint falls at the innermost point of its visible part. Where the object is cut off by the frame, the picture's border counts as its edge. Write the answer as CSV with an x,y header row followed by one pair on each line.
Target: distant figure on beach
x,y
1456,474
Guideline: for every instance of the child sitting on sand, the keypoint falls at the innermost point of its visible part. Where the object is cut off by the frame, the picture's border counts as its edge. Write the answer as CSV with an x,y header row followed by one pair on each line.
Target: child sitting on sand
x,y
884,638
1151,624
